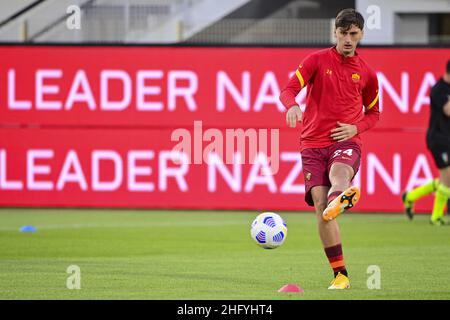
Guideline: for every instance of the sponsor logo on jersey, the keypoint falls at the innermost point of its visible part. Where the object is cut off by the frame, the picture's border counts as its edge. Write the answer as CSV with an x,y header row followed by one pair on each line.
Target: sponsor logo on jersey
x,y
445,157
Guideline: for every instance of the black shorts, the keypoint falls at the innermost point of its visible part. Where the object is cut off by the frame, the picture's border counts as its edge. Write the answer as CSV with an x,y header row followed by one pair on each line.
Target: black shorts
x,y
441,155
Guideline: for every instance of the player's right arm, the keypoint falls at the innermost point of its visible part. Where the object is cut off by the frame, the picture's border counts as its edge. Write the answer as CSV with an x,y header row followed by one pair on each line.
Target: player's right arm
x,y
446,107
303,76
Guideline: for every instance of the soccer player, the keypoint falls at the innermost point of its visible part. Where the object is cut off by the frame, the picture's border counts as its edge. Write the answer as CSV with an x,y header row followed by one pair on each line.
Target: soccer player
x,y
438,143
339,84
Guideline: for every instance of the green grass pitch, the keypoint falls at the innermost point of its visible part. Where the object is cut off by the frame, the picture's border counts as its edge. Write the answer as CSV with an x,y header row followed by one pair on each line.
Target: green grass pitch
x,y
192,255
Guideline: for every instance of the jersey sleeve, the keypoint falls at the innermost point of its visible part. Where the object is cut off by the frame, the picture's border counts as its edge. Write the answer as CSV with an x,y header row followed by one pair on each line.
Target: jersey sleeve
x,y
302,77
371,104
439,99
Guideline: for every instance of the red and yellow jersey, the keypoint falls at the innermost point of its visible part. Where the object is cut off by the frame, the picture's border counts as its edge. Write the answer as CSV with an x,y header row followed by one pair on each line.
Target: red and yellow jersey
x,y
338,88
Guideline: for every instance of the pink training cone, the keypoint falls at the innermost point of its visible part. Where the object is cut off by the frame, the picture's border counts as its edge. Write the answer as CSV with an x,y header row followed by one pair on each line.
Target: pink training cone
x,y
291,288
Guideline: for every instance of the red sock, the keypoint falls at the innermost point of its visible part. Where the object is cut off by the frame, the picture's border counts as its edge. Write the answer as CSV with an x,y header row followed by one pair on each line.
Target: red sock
x,y
336,259
333,196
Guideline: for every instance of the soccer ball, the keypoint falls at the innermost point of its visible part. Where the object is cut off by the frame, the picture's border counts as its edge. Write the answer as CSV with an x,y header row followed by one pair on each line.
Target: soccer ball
x,y
269,230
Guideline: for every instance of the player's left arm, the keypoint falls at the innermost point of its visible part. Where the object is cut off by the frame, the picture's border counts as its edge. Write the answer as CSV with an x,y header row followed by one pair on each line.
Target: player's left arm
x,y
346,131
371,104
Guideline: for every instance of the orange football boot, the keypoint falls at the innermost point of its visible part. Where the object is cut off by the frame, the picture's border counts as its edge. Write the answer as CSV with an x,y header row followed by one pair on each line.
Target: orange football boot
x,y
344,201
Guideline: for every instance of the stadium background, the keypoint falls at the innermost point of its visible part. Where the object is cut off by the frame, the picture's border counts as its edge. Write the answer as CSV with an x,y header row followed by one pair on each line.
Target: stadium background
x,y
87,114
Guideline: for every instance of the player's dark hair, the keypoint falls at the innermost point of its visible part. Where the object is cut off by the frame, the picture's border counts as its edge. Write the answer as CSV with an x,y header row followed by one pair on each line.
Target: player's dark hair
x,y
448,70
348,17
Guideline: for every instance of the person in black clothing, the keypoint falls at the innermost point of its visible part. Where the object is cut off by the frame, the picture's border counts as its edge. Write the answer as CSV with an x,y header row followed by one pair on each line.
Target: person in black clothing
x,y
438,143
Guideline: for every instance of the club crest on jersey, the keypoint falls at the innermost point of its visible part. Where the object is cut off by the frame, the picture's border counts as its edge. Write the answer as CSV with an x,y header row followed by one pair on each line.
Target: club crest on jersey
x,y
308,176
355,77
328,72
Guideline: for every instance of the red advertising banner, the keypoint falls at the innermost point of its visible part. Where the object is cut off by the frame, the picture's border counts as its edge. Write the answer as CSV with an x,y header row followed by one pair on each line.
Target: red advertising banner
x,y
101,127
139,168
174,86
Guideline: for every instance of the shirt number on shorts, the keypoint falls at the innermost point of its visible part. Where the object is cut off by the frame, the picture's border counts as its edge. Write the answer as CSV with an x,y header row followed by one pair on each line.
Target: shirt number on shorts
x,y
348,152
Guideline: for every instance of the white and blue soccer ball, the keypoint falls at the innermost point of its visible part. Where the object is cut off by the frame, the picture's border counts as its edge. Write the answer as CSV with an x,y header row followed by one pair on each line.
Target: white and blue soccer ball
x,y
269,230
